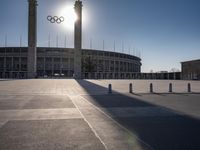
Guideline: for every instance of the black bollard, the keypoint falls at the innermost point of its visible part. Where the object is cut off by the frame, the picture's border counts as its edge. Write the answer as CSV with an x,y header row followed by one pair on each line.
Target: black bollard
x,y
109,88
130,88
151,88
189,87
170,87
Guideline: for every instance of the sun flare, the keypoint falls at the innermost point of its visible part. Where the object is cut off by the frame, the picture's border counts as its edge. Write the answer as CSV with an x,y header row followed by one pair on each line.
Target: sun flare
x,y
70,17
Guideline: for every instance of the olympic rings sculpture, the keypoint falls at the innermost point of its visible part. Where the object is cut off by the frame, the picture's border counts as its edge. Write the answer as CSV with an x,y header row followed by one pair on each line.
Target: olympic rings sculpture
x,y
55,19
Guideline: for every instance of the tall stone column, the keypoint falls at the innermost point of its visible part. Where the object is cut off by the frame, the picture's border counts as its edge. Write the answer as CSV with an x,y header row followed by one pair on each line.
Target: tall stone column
x,y
78,40
32,38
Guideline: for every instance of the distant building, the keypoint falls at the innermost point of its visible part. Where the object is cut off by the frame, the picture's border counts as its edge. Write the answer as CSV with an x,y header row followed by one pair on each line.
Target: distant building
x,y
191,70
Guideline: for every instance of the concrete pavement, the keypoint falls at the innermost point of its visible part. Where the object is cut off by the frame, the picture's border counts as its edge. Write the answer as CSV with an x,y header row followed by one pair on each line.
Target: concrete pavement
x,y
79,114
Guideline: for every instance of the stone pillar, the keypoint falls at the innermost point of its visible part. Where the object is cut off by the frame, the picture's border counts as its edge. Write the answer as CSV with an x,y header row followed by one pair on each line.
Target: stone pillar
x,y
78,40
44,67
32,38
4,67
68,69
52,66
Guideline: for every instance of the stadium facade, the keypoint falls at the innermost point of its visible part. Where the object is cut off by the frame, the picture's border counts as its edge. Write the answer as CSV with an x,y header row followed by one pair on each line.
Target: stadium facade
x,y
60,62
33,61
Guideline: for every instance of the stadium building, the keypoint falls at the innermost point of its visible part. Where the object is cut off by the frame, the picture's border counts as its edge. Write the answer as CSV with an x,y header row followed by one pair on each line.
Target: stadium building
x,y
33,61
52,62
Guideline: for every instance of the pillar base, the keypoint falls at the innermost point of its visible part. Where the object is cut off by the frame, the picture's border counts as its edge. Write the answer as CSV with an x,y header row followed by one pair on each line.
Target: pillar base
x,y
31,75
77,75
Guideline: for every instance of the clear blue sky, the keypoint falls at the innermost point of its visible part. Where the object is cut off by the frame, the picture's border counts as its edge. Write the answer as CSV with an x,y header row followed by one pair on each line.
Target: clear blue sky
x,y
165,32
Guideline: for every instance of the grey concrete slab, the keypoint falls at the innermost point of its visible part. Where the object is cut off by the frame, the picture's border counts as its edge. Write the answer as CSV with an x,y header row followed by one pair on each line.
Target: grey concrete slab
x,y
2,122
172,131
48,134
115,100
39,114
40,87
12,104
44,102
7,97
129,112
186,104
15,97
110,132
138,112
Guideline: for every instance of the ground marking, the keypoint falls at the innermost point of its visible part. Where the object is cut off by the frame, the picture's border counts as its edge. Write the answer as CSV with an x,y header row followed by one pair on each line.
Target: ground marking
x,y
90,125
116,122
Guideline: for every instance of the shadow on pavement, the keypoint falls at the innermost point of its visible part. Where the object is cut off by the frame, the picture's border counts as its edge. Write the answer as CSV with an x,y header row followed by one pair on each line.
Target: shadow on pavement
x,y
159,127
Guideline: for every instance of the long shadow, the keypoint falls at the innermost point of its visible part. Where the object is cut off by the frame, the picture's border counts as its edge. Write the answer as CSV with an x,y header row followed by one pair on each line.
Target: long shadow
x,y
159,127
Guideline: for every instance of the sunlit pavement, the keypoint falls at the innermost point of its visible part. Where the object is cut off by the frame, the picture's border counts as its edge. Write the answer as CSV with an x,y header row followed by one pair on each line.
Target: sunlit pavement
x,y
80,114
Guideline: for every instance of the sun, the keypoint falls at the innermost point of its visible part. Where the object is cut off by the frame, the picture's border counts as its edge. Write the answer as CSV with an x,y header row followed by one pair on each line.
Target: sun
x,y
69,15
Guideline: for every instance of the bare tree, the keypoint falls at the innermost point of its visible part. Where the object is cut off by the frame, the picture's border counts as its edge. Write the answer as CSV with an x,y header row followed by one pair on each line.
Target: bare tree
x,y
175,70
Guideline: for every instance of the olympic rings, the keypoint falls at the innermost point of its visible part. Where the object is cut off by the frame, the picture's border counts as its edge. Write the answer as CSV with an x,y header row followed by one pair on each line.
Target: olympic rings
x,y
55,19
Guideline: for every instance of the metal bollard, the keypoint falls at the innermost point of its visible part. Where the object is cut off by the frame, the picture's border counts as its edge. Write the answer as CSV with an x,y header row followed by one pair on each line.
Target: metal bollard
x,y
109,88
151,88
170,87
189,87
130,88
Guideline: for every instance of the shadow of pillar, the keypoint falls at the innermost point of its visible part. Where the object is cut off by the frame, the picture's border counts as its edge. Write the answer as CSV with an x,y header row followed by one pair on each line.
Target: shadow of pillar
x,y
159,127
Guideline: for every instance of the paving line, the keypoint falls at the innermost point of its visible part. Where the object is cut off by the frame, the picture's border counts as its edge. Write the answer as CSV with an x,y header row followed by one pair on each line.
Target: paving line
x,y
116,122
93,130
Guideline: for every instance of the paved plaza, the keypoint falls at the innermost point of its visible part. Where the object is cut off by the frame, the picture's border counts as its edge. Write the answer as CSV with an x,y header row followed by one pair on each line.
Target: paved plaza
x,y
68,114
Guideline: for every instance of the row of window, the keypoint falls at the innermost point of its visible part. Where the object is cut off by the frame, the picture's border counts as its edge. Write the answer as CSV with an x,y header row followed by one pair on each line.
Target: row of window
x,y
13,50
54,51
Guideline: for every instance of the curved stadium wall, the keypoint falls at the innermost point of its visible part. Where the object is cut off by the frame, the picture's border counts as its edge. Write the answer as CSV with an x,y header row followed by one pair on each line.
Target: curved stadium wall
x,y
59,62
